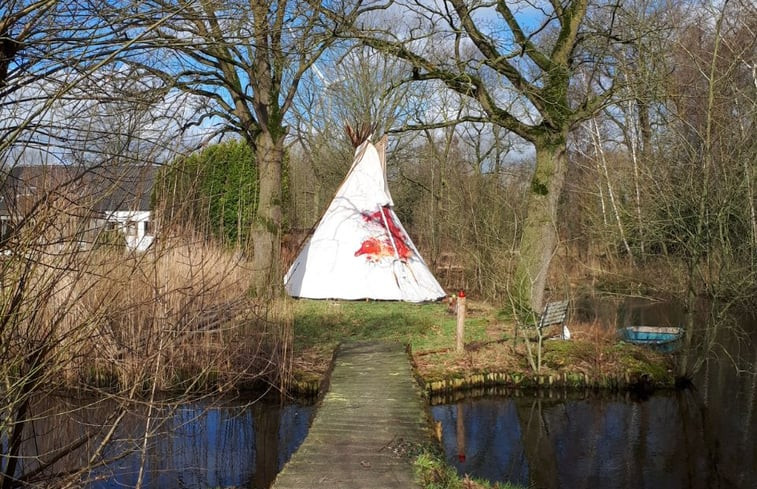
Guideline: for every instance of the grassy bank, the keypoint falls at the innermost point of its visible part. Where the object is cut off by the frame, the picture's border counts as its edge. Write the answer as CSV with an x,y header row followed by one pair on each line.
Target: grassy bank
x,y
594,358
433,473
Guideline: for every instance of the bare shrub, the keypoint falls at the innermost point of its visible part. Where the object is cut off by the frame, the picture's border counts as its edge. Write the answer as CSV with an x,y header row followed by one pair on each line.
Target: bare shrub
x,y
177,318
184,301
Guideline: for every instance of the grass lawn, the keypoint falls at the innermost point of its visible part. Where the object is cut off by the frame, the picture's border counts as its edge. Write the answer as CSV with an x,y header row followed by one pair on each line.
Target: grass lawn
x,y
424,327
594,355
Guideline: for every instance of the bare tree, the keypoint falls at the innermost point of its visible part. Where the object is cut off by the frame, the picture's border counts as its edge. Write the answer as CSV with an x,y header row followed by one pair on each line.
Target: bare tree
x,y
356,86
77,312
642,65
706,202
30,53
25,33
245,60
81,313
521,76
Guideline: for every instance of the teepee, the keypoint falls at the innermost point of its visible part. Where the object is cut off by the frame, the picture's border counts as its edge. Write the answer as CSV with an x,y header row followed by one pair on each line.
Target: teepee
x,y
359,250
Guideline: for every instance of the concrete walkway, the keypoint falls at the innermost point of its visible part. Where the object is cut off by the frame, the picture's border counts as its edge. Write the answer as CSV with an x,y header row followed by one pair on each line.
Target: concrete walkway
x,y
370,425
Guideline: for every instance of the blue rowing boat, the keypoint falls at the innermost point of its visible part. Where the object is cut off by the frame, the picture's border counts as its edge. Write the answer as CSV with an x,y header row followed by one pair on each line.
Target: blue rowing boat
x,y
665,339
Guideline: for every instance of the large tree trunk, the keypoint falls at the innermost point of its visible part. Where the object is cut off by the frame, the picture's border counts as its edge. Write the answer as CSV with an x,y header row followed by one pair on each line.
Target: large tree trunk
x,y
539,238
266,227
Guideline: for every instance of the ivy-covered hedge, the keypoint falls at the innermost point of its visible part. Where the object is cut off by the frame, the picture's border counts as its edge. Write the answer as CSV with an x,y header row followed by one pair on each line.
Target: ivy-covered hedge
x,y
213,191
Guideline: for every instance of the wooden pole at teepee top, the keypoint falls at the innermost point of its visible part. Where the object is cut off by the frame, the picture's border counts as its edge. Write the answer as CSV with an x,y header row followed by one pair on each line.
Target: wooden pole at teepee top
x,y
358,137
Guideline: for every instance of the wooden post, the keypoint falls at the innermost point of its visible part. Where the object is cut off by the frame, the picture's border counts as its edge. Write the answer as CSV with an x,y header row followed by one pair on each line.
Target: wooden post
x,y
460,336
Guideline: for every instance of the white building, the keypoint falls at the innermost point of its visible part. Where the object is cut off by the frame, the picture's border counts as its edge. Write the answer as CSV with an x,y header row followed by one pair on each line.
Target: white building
x,y
84,201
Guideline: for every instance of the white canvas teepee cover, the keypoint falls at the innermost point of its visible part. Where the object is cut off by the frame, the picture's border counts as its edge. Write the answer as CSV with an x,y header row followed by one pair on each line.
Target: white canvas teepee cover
x,y
359,249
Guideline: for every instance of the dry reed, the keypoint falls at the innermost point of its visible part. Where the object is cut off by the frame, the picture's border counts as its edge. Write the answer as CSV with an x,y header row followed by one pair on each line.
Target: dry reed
x,y
179,316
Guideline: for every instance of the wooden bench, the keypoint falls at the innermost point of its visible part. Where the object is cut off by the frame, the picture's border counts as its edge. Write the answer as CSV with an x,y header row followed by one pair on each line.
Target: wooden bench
x,y
555,313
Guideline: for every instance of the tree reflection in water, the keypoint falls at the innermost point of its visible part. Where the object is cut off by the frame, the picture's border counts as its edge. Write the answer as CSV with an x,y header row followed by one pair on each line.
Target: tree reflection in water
x,y
595,442
198,445
701,437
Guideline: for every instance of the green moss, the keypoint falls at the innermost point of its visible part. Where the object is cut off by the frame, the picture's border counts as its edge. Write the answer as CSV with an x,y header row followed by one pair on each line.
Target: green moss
x,y
538,188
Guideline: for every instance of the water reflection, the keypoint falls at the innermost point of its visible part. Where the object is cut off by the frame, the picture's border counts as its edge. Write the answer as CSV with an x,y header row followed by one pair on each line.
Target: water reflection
x,y
196,445
489,443
204,445
701,437
623,312
664,441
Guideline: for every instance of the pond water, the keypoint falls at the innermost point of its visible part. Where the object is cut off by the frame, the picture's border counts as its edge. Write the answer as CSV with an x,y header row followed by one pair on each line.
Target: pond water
x,y
701,437
210,443
667,441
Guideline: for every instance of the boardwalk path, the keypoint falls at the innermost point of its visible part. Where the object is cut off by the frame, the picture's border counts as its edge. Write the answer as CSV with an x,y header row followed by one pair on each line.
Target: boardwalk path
x,y
370,417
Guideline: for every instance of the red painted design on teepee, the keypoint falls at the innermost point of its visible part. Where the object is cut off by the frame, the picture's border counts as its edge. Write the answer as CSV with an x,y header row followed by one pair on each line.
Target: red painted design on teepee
x,y
377,248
